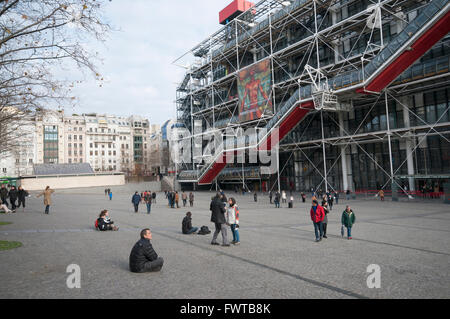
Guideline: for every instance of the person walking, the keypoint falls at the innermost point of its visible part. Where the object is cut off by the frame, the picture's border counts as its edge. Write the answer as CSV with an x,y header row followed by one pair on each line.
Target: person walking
x,y
317,216
326,211
283,197
191,199
143,257
177,198
13,197
106,192
186,225
347,194
136,199
218,218
47,198
255,197
110,195
148,201
233,220
330,201
277,200
381,194
4,194
21,195
154,197
337,197
348,220
184,198
270,196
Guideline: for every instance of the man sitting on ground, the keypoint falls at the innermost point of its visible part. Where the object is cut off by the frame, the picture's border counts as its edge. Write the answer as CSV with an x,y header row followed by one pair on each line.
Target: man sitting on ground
x,y
143,257
186,225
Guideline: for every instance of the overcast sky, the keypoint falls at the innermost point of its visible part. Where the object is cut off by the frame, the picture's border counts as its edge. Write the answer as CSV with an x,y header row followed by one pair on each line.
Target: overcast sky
x,y
140,78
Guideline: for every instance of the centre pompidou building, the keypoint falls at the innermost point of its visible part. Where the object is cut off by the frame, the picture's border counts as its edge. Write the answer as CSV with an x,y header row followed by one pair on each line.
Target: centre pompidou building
x,y
346,94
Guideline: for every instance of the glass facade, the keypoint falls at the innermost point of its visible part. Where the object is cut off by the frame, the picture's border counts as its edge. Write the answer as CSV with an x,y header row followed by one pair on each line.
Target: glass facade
x,y
368,160
50,144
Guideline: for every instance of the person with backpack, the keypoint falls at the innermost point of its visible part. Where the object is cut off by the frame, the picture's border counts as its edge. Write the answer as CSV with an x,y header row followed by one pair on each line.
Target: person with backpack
x,y
317,215
191,199
186,225
143,257
136,199
348,220
104,223
233,220
148,201
218,218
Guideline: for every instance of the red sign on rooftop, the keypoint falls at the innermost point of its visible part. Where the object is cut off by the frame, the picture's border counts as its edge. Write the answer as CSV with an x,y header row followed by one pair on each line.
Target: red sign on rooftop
x,y
233,10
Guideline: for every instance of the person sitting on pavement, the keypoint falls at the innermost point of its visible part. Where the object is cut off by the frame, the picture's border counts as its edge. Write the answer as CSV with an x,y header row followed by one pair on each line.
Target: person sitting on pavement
x,y
143,257
104,223
186,225
5,208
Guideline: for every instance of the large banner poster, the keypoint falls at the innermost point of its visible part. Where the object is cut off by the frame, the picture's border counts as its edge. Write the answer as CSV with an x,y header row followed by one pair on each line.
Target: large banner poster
x,y
254,85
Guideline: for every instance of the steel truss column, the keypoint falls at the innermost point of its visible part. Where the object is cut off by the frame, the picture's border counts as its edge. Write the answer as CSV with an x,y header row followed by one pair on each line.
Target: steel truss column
x,y
324,154
393,187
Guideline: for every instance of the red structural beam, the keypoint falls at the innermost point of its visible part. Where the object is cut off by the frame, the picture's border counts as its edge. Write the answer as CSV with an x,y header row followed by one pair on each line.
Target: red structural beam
x,y
233,10
293,118
407,58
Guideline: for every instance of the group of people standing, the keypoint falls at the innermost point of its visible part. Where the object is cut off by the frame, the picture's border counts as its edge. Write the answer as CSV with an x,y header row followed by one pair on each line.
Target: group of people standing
x,y
147,197
173,198
224,213
16,198
319,217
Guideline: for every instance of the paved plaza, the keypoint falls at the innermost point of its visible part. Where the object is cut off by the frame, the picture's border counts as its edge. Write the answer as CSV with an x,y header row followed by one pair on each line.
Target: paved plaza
x,y
277,258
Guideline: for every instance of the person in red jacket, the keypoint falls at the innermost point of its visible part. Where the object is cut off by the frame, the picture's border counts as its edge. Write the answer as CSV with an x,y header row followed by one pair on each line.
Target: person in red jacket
x,y
317,216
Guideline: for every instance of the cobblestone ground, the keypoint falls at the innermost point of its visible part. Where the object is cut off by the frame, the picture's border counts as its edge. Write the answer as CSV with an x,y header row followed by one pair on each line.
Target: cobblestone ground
x,y
277,258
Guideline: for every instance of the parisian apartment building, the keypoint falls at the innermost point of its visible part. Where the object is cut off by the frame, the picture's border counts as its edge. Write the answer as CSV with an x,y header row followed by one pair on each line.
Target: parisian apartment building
x,y
108,143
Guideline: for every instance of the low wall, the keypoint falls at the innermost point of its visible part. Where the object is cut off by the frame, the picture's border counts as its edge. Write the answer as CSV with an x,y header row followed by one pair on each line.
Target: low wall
x,y
72,181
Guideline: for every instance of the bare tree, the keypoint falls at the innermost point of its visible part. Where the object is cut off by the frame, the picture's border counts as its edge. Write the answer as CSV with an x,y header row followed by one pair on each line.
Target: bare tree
x,y
39,41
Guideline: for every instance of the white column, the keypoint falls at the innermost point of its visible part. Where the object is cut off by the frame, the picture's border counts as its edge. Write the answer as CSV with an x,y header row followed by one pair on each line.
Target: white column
x,y
409,143
343,156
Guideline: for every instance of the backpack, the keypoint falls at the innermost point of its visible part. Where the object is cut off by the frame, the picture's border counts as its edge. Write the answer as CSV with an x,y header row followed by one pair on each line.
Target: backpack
x,y
204,230
96,224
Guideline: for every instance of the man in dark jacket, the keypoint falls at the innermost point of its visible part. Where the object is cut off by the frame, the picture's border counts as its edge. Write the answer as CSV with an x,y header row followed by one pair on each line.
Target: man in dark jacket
x,y
186,225
13,197
217,209
136,199
4,194
143,257
21,195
